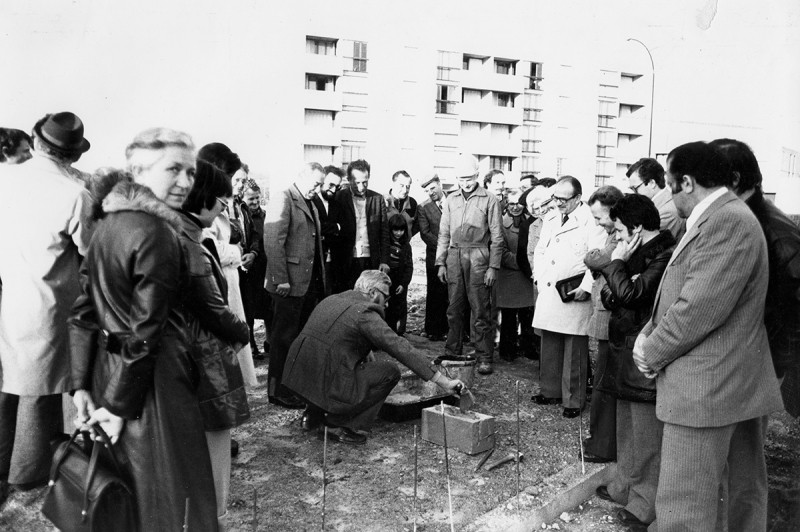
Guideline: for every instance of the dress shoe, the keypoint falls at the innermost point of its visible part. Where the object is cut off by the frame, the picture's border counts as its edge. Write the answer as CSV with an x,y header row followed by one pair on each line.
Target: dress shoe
x,y
627,518
571,412
602,492
312,419
595,459
287,402
342,435
234,448
542,400
485,368
257,355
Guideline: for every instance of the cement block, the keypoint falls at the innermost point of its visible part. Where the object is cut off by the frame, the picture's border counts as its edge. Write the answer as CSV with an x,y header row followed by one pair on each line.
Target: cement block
x,y
471,433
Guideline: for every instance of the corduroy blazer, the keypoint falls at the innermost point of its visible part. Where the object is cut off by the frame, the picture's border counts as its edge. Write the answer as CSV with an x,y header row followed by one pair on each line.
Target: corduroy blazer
x,y
706,337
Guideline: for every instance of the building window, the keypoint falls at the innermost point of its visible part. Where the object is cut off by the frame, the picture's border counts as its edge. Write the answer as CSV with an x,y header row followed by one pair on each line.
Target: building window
x,y
503,99
535,78
789,167
470,129
530,165
500,163
533,107
603,172
605,143
352,152
313,153
465,62
508,68
470,96
531,139
321,119
359,56
315,45
446,99
606,114
448,62
317,82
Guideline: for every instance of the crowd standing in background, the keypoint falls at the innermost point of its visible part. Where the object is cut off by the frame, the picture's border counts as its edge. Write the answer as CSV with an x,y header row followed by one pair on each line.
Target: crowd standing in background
x,y
137,291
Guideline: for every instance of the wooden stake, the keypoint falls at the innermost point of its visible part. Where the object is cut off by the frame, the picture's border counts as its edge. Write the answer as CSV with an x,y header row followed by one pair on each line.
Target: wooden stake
x,y
518,442
255,509
580,422
447,469
414,510
186,516
324,475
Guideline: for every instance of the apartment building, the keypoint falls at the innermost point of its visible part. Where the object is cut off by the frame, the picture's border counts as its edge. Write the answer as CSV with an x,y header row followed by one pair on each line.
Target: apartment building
x,y
418,109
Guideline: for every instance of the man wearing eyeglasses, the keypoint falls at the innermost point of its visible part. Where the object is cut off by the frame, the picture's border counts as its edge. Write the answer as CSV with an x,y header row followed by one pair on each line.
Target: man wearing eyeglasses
x,y
568,233
646,178
330,366
327,210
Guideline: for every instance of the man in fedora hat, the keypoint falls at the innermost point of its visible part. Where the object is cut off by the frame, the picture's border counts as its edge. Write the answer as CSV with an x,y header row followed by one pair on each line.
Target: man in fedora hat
x,y
468,255
39,268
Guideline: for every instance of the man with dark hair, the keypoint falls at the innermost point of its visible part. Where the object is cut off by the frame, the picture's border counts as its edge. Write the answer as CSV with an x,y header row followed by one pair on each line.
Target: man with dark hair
x,y
527,182
646,177
295,271
429,215
469,254
782,310
601,445
15,146
707,346
363,242
259,304
631,279
495,182
39,268
568,233
326,208
398,201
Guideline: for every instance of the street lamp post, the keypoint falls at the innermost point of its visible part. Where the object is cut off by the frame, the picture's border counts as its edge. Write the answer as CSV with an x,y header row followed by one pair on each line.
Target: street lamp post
x,y
652,95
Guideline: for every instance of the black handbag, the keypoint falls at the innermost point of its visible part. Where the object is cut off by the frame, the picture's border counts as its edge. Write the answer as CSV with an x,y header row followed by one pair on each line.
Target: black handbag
x,y
564,286
84,495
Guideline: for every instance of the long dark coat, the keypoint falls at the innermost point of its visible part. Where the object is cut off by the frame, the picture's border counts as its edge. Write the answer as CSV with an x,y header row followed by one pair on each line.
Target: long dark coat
x,y
130,283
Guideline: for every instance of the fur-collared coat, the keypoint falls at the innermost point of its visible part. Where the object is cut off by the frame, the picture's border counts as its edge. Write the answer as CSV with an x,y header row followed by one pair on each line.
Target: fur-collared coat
x,y
131,281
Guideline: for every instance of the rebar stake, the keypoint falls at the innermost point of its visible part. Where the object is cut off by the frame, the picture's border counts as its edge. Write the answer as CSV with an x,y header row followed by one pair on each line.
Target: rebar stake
x,y
447,470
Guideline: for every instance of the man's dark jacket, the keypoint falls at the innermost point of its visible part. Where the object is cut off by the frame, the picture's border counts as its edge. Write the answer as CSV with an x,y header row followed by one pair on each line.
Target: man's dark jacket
x,y
377,232
324,362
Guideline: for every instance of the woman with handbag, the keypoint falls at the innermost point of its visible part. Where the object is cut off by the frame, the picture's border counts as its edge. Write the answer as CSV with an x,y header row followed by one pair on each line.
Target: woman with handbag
x,y
132,366
216,334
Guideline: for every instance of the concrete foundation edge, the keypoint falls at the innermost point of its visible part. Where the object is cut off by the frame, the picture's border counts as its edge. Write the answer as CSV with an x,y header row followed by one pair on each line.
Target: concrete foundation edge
x,y
529,517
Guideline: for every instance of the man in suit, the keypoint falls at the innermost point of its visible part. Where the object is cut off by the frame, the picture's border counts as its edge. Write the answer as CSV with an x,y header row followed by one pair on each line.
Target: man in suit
x,y
646,177
707,346
429,214
782,310
363,242
295,272
468,255
326,208
329,367
398,201
568,233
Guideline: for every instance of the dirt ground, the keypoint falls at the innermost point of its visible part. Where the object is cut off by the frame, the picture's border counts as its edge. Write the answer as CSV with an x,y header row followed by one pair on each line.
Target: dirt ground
x,y
370,488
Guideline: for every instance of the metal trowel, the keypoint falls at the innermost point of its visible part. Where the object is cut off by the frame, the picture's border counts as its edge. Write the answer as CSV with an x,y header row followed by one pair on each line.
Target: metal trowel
x,y
465,399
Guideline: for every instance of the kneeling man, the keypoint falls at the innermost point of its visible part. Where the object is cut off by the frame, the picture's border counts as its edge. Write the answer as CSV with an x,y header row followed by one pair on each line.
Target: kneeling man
x,y
328,366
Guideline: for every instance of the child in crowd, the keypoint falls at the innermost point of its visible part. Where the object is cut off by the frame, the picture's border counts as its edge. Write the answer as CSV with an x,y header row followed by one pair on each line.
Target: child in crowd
x,y
401,268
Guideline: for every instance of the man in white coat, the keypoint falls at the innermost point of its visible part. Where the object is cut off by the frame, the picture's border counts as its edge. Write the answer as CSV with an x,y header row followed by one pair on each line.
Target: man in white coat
x,y
42,249
567,234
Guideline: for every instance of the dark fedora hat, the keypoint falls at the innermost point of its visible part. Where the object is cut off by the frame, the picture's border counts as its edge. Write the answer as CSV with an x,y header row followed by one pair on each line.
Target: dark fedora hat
x,y
64,132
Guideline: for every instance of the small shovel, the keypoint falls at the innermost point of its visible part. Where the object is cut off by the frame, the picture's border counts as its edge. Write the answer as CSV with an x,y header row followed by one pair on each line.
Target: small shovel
x,y
465,399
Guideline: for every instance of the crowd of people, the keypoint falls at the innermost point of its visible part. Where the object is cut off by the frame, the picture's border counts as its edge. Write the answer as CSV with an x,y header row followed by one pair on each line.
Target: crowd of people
x,y
136,291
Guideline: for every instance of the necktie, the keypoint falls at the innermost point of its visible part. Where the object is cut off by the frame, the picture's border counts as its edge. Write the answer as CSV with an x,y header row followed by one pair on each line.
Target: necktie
x,y
564,219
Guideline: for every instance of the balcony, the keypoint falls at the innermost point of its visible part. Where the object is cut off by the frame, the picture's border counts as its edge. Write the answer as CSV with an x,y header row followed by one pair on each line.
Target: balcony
x,y
330,65
324,100
322,136
484,79
633,124
488,113
488,146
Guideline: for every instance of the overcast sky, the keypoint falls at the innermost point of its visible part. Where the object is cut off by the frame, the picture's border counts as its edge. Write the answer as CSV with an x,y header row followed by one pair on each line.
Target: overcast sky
x,y
731,62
